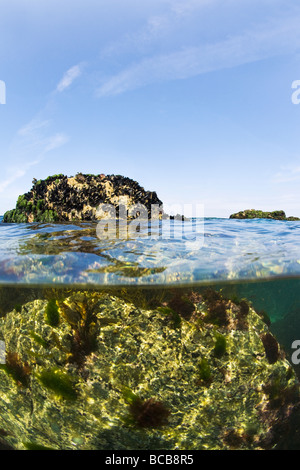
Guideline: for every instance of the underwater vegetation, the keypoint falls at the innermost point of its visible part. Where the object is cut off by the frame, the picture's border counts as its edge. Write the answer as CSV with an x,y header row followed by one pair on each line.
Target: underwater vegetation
x,y
280,394
236,439
81,314
182,305
149,413
225,312
15,368
103,372
52,313
217,308
174,317
271,347
244,308
35,446
265,317
18,308
220,345
58,382
39,340
205,374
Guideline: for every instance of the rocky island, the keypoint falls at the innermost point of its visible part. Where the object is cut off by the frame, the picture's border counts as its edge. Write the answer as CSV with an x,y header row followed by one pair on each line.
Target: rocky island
x,y
60,198
258,214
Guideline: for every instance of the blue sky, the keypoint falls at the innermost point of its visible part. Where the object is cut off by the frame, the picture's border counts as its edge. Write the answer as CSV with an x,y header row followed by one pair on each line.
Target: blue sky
x,y
191,98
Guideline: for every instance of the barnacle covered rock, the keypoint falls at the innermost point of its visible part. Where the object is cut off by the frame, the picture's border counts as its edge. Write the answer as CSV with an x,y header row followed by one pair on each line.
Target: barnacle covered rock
x,y
116,374
60,198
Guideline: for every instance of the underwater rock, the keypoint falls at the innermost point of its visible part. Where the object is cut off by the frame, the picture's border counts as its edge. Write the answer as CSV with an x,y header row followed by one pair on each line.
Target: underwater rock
x,y
258,214
117,375
60,198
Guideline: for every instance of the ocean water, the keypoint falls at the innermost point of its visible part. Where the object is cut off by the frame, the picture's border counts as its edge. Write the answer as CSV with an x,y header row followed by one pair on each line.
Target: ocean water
x,y
256,260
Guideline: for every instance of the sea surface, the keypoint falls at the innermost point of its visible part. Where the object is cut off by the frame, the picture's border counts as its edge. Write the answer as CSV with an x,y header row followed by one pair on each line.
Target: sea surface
x,y
255,259
208,250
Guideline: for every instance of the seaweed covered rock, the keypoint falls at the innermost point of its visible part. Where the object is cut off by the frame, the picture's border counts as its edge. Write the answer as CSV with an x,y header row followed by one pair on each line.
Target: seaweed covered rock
x,y
192,372
258,214
60,198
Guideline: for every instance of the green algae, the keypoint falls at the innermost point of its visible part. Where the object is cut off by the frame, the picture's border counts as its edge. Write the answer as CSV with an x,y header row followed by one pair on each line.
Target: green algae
x,y
172,315
59,383
39,340
205,374
52,313
35,446
81,315
57,198
220,346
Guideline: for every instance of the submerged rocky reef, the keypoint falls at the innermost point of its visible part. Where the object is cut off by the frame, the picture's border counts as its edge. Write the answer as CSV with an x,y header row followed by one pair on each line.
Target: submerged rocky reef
x,y
143,369
59,198
258,214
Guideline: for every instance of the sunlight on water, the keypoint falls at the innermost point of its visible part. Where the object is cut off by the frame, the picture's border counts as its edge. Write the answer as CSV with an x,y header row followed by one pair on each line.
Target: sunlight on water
x,y
75,309
225,250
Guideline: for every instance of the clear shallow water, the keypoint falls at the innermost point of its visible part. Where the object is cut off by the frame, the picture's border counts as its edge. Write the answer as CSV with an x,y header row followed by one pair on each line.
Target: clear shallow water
x,y
258,260
224,250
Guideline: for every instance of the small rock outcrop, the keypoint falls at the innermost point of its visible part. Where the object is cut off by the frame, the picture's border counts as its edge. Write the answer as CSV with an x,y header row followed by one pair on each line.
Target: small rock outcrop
x,y
60,198
258,214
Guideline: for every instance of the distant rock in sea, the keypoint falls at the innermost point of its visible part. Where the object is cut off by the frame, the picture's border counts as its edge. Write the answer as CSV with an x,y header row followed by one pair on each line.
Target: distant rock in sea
x,y
61,198
258,214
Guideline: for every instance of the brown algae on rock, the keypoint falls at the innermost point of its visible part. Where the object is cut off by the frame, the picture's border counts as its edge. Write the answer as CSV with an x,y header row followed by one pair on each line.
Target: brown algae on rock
x,y
60,198
117,374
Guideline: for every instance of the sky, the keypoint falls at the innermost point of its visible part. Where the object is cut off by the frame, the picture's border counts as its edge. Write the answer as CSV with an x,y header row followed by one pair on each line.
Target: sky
x,y
198,100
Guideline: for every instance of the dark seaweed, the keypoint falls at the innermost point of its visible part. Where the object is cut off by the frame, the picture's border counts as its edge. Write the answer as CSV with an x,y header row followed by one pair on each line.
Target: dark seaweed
x,y
271,347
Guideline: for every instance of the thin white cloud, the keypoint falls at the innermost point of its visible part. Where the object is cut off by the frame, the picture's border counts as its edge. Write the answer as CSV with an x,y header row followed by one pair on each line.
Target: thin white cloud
x,y
55,141
171,21
184,7
31,139
287,174
279,36
15,174
45,145
36,138
33,126
69,77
